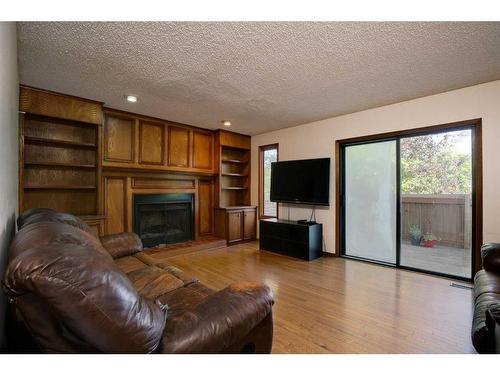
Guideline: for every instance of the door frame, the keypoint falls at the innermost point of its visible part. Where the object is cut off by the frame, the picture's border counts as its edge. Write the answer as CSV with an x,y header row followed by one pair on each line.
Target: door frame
x,y
475,125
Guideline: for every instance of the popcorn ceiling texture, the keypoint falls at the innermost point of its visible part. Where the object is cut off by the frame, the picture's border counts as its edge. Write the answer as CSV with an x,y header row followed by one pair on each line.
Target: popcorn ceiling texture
x,y
262,76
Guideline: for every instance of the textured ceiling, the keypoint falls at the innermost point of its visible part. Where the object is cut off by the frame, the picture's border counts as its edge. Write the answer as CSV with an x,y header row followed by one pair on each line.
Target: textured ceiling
x,y
262,76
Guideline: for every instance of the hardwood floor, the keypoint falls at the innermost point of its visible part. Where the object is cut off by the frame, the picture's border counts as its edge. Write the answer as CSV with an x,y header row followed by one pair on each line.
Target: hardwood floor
x,y
334,305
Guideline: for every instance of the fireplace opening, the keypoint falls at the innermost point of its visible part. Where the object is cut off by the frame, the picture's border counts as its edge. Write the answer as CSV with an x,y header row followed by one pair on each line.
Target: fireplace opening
x,y
162,219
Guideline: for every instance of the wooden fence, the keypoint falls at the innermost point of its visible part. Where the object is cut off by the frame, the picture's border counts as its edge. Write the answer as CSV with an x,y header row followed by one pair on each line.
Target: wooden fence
x,y
447,216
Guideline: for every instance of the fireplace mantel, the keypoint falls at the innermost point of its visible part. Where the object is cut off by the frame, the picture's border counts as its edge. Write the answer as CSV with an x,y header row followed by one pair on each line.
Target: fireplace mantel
x,y
120,187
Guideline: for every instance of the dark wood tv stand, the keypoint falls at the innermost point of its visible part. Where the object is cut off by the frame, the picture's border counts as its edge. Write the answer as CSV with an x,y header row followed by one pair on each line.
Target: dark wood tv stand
x,y
287,237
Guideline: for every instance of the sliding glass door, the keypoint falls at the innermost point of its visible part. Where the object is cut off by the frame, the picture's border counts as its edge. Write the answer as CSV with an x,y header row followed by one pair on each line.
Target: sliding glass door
x,y
408,200
370,201
436,202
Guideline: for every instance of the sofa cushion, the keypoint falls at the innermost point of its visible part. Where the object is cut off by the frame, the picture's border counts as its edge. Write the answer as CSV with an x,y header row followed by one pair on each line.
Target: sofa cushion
x,y
129,263
47,215
121,244
26,214
151,282
490,256
185,299
482,338
43,233
486,282
177,272
216,322
90,296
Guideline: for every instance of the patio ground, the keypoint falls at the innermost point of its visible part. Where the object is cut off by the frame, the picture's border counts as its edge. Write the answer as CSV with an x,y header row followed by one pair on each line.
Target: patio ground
x,y
449,260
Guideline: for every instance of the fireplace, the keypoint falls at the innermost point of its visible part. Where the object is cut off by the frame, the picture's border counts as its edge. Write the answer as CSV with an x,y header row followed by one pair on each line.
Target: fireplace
x,y
161,219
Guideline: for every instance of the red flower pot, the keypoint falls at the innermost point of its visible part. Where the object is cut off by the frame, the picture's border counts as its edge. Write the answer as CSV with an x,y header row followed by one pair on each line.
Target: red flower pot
x,y
429,243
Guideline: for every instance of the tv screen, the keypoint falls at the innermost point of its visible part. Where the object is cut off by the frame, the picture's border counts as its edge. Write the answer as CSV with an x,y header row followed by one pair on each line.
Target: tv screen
x,y
301,181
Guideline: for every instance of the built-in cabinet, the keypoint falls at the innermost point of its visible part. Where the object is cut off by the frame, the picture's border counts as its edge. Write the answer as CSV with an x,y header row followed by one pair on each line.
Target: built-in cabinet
x,y
59,154
78,157
235,218
120,186
132,141
236,224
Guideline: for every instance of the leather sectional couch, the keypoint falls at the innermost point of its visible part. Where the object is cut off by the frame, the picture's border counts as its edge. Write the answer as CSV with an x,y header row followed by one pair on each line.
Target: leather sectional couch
x,y
73,292
486,319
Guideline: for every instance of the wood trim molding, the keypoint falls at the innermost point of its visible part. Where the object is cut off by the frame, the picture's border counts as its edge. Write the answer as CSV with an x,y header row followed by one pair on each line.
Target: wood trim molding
x,y
337,198
263,148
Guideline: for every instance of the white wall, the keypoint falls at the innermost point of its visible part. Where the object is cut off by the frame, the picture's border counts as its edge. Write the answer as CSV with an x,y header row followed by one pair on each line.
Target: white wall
x,y
8,148
317,139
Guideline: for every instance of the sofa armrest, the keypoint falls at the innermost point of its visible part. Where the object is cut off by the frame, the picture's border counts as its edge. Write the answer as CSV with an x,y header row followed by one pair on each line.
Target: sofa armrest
x,y
493,325
121,244
490,256
219,321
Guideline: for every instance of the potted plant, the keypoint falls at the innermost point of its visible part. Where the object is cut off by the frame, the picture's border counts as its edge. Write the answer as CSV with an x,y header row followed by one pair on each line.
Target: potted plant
x,y
429,240
415,235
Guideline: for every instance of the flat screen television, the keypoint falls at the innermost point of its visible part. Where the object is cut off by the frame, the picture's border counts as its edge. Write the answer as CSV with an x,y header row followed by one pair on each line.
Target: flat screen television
x,y
301,181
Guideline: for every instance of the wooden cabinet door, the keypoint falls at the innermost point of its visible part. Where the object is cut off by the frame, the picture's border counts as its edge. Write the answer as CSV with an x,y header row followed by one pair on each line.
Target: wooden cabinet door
x,y
249,224
205,207
119,139
234,226
202,150
115,204
151,143
178,146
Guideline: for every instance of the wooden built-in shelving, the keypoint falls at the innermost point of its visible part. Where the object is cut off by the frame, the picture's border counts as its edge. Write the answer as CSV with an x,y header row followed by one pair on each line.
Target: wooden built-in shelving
x,y
61,165
59,153
60,187
59,142
234,161
234,174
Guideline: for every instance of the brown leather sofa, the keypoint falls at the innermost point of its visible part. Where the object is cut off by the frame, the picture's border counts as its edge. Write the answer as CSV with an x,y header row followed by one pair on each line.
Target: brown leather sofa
x,y
73,292
485,324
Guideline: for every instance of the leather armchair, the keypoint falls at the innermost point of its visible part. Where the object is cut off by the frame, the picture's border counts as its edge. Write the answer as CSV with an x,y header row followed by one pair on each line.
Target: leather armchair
x,y
486,293
490,257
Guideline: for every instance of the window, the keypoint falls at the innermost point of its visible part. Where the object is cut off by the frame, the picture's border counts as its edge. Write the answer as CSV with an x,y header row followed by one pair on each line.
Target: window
x,y
267,155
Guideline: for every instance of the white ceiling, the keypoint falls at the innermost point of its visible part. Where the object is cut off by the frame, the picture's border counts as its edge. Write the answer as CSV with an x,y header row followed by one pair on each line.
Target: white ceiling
x,y
260,75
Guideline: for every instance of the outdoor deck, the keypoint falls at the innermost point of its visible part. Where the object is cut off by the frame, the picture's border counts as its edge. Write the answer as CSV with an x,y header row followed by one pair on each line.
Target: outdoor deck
x,y
449,260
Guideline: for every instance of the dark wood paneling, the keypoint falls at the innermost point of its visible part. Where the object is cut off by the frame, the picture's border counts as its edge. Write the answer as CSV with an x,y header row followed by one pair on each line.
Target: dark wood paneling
x,y
59,153
116,204
234,226
151,143
178,146
205,205
46,103
95,223
162,183
75,201
119,139
202,150
249,224
234,140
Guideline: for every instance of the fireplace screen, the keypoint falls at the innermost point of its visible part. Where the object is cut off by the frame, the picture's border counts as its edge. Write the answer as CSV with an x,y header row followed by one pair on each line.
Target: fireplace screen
x,y
162,219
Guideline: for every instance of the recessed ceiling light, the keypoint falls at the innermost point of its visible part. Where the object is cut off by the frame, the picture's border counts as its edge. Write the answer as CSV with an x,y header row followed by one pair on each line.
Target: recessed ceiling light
x,y
131,98
226,123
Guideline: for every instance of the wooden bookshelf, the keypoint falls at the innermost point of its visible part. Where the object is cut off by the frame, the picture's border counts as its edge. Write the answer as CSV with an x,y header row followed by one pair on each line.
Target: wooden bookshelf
x,y
59,153
28,139
235,218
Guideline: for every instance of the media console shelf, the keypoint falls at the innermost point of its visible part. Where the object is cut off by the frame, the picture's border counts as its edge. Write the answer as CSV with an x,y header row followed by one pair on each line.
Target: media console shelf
x,y
287,237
